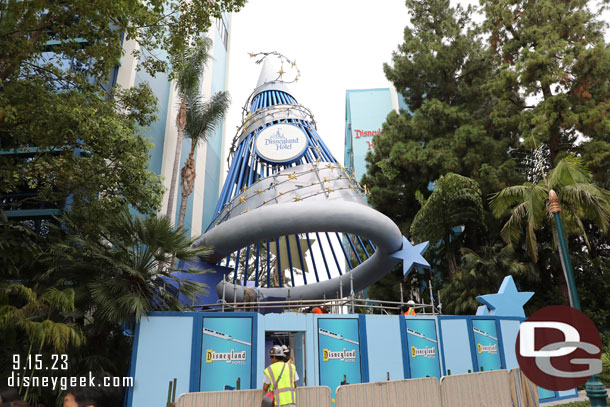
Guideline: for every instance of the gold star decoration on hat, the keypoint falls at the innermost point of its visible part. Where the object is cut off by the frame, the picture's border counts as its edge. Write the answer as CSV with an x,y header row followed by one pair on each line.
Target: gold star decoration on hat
x,y
292,176
242,199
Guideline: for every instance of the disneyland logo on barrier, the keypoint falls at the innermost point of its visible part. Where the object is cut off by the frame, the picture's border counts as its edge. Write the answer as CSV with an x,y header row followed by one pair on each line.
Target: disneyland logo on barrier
x,y
558,348
281,142
236,358
491,349
343,355
427,352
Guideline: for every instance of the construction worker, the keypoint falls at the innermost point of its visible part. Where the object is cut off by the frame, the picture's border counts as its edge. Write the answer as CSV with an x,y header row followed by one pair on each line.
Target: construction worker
x,y
411,308
286,351
280,378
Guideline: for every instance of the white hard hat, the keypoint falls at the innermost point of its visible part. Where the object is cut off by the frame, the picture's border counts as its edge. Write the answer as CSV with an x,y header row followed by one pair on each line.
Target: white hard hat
x,y
276,351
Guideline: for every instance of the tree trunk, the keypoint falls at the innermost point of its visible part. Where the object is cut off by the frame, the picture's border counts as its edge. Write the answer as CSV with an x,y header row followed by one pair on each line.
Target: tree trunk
x,y
554,145
452,262
188,181
180,123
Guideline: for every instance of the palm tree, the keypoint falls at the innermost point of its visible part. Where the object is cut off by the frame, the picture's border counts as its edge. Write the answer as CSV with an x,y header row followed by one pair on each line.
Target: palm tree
x,y
202,119
528,205
35,321
187,82
34,316
124,270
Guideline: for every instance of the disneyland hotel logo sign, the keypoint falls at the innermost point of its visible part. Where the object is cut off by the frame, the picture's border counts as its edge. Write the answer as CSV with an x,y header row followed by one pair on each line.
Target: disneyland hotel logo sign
x,y
236,358
281,142
558,348
343,355
367,133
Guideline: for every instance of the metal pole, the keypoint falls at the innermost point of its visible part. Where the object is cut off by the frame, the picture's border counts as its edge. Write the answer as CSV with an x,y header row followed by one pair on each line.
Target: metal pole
x,y
402,300
351,289
566,264
224,288
431,295
596,391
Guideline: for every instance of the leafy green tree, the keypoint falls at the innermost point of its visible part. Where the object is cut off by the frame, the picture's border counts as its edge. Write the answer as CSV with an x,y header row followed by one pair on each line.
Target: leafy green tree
x,y
77,144
202,119
441,69
455,203
70,134
552,83
94,35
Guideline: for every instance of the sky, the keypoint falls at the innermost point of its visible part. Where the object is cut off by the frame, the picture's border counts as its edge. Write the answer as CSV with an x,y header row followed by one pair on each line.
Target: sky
x,y
337,45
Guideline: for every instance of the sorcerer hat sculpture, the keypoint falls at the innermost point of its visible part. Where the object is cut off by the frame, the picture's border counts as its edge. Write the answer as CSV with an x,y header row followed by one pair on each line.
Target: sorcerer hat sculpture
x,y
290,220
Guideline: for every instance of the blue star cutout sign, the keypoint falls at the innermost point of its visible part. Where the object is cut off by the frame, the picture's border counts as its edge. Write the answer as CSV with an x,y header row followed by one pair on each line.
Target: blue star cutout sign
x,y
411,256
508,302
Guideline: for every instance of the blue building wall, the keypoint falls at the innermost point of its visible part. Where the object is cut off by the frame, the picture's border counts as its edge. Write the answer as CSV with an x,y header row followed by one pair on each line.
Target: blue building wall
x,y
160,86
214,150
366,110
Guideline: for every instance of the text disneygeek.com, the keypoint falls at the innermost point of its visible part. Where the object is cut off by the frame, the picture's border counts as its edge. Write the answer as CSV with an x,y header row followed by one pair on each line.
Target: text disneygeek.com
x,y
66,382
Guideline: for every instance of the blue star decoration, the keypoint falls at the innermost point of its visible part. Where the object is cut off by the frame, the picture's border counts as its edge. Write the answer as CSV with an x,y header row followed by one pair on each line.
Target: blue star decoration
x,y
411,256
508,302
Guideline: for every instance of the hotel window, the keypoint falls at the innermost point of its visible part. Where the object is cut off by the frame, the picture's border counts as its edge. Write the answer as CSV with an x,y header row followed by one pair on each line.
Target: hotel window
x,y
222,30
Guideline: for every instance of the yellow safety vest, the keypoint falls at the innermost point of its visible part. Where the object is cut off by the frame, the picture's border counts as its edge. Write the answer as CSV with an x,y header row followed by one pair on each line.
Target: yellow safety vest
x,y
284,390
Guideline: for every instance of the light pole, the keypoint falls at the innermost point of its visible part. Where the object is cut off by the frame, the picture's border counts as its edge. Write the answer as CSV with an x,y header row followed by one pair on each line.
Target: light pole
x,y
596,391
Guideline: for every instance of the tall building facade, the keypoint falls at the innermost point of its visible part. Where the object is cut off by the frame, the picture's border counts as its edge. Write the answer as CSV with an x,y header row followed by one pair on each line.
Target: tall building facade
x,y
163,132
365,112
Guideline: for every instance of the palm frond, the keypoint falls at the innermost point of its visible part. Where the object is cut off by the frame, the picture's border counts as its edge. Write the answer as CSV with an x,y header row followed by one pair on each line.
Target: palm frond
x,y
530,240
511,231
192,70
203,117
568,171
501,202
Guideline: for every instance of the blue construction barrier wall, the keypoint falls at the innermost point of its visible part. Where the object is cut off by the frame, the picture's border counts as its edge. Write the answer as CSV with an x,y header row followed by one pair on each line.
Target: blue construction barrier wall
x,y
215,351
